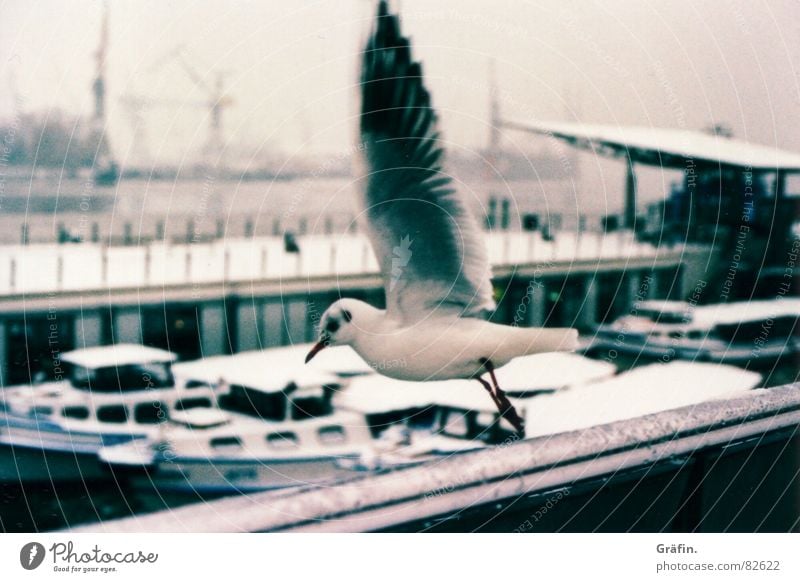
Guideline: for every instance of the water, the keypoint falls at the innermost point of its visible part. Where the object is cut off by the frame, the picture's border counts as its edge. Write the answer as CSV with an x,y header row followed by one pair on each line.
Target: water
x,y
141,209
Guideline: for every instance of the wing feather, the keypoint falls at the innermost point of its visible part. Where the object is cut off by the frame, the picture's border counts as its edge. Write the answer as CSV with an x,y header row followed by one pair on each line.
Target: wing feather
x,y
407,194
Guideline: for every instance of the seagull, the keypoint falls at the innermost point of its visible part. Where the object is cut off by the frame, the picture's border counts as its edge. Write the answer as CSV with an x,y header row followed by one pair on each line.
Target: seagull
x,y
431,253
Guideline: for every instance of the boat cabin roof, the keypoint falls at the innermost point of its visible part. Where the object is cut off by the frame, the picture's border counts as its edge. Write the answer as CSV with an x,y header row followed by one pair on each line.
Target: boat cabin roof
x,y
550,372
645,390
264,370
377,394
200,417
117,355
726,313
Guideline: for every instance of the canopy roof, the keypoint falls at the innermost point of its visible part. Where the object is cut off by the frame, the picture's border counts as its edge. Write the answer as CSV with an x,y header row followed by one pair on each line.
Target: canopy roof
x,y
673,148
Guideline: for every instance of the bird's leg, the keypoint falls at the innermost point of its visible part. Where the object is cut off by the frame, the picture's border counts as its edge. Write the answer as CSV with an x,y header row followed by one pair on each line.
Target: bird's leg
x,y
502,402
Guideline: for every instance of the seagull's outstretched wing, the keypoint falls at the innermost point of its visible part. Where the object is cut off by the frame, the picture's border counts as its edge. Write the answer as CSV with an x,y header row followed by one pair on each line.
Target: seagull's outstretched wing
x,y
430,249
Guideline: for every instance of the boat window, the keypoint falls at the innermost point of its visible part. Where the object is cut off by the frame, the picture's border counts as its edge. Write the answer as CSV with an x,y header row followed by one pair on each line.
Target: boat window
x,y
672,317
310,407
189,403
675,334
78,412
41,411
695,334
150,413
229,442
112,413
122,378
197,384
455,424
266,405
423,419
331,435
282,440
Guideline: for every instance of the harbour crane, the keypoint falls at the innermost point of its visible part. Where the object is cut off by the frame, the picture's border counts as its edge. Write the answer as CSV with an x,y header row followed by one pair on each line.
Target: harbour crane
x,y
217,98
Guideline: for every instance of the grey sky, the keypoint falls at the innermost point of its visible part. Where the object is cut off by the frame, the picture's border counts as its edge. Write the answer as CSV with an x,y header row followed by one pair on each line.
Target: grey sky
x,y
292,65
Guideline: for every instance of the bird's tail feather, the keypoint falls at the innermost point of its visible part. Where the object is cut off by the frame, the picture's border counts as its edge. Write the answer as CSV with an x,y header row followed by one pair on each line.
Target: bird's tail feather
x,y
552,339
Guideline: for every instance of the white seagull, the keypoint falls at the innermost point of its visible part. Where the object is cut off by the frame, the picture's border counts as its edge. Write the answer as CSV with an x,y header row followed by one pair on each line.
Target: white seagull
x,y
431,252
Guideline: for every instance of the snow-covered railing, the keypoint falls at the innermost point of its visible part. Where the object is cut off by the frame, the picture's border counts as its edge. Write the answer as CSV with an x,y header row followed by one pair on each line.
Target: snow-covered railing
x,y
29,269
721,465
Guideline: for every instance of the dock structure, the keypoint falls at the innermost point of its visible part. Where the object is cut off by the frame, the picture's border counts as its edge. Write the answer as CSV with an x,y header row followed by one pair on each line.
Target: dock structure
x,y
231,295
725,465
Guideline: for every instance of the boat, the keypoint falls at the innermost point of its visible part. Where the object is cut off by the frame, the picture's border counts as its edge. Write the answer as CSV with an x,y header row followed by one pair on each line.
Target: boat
x,y
745,333
111,394
414,422
274,427
451,417
281,423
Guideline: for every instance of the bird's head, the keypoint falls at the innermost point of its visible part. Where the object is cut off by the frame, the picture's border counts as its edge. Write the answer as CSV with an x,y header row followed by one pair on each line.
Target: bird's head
x,y
340,323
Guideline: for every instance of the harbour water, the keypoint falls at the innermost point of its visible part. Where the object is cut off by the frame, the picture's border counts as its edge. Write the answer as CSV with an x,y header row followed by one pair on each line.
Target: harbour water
x,y
196,209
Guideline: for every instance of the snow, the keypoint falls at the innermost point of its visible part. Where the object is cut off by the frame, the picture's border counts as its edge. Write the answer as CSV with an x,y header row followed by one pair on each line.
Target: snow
x,y
641,391
709,315
552,371
117,355
90,266
265,370
681,143
375,394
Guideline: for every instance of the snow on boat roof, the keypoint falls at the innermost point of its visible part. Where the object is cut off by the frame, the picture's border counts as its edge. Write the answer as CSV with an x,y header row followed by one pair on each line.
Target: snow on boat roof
x,y
200,417
741,311
641,391
375,393
117,355
266,370
666,147
333,360
551,371
726,313
663,306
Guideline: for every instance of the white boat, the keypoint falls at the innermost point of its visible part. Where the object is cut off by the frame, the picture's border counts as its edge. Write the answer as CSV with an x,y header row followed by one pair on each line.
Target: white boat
x,y
111,394
644,390
752,333
275,427
452,417
415,421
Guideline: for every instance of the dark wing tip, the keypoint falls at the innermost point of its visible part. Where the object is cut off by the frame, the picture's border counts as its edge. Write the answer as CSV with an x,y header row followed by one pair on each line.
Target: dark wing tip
x,y
394,101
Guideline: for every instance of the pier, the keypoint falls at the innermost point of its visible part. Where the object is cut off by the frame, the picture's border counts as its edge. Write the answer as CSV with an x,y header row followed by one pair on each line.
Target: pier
x,y
229,295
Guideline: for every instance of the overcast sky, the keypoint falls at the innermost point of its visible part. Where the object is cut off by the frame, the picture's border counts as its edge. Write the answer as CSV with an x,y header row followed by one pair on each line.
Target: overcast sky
x,y
291,65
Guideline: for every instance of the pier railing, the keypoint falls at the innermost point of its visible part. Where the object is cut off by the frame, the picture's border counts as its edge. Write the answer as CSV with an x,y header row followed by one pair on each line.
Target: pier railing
x,y
26,269
727,465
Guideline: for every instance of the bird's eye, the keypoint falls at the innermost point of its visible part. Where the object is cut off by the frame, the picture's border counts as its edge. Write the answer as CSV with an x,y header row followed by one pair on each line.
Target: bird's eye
x,y
331,326
348,317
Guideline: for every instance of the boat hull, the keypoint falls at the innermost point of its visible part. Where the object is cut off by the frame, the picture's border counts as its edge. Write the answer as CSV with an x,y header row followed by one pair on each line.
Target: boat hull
x,y
207,476
648,347
34,450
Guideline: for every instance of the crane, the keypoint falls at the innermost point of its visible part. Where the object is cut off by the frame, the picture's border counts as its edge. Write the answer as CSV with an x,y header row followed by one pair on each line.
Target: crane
x,y
217,98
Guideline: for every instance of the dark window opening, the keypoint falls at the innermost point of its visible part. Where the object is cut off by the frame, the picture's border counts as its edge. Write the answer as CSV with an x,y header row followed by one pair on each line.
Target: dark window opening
x,y
77,412
283,440
150,413
226,443
189,403
113,413
266,405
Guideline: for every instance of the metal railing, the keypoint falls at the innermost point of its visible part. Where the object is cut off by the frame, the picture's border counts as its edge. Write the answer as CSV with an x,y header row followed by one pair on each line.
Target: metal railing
x,y
680,463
